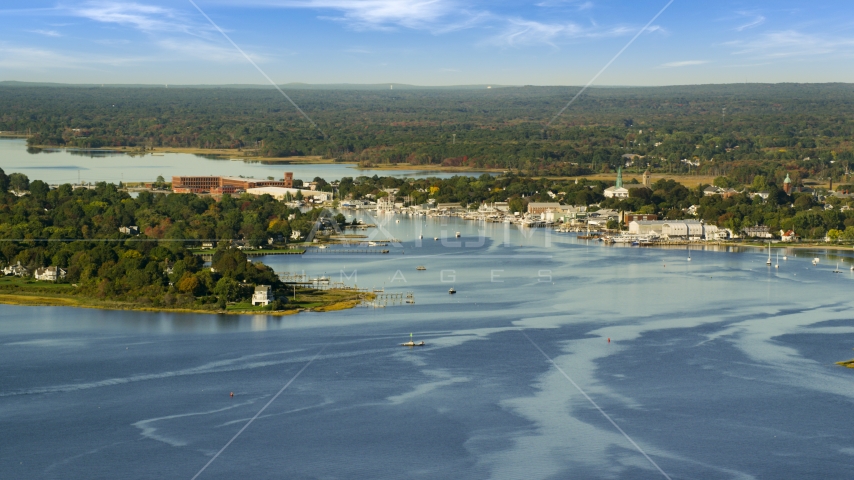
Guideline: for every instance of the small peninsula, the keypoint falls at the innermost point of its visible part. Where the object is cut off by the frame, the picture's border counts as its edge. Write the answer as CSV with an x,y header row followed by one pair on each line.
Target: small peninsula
x,y
102,248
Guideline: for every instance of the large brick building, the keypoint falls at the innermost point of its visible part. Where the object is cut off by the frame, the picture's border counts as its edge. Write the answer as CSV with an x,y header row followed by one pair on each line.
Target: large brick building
x,y
222,185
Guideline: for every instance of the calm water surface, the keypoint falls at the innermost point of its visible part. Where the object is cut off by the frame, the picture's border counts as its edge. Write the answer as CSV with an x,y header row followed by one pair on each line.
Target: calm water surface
x,y
717,368
66,166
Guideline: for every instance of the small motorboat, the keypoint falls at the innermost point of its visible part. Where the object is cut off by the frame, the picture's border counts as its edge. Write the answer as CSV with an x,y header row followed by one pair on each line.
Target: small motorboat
x,y
452,291
436,238
421,267
458,234
411,343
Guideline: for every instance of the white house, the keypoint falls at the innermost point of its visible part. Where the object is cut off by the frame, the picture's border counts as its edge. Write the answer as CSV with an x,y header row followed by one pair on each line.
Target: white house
x,y
788,236
16,270
262,295
49,274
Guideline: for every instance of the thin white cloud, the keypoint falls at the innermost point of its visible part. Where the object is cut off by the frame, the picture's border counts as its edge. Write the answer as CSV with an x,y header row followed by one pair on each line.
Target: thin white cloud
x,y
175,32
577,4
15,57
373,14
523,32
684,63
47,33
146,18
790,43
758,20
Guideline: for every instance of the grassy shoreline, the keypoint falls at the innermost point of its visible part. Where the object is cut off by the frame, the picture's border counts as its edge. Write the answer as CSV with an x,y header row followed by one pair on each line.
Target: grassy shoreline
x,y
44,294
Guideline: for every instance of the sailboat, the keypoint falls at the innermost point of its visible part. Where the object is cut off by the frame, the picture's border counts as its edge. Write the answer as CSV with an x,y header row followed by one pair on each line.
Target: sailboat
x,y
411,343
777,265
688,247
768,262
837,268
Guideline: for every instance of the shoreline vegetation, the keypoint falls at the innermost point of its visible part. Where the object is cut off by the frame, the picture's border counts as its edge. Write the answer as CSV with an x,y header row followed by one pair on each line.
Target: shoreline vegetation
x,y
73,247
32,293
846,363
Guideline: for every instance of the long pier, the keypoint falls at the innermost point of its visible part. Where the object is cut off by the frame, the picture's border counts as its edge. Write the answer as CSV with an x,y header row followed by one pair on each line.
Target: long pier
x,y
350,251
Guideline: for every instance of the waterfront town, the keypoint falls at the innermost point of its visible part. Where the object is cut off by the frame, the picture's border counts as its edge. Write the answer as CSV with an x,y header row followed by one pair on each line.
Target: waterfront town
x,y
604,220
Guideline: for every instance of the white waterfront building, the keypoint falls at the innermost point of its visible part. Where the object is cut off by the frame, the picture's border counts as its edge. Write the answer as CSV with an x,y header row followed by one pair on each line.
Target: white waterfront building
x,y
686,229
280,193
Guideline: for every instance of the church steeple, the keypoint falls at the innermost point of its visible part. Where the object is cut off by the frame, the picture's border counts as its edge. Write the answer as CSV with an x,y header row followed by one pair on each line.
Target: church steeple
x,y
619,178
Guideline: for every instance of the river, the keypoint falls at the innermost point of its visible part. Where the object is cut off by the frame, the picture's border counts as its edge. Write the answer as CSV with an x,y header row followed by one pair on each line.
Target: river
x,y
716,368
57,166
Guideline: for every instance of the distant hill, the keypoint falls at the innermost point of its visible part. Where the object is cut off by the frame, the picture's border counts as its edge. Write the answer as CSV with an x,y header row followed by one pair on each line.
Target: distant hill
x,y
289,86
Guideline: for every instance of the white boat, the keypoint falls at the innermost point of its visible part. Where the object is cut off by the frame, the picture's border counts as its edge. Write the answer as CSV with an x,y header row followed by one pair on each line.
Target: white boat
x,y
411,343
322,246
421,268
777,265
452,291
837,268
815,261
436,238
372,244
458,234
768,262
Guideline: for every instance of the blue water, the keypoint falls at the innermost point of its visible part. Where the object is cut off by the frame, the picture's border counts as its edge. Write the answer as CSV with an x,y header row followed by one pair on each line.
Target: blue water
x,y
67,166
717,368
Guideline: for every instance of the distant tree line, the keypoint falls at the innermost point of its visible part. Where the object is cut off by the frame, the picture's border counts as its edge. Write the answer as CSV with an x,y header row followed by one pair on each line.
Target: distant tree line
x,y
738,131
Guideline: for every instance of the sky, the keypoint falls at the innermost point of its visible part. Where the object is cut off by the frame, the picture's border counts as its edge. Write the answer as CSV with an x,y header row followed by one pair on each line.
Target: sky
x,y
427,42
